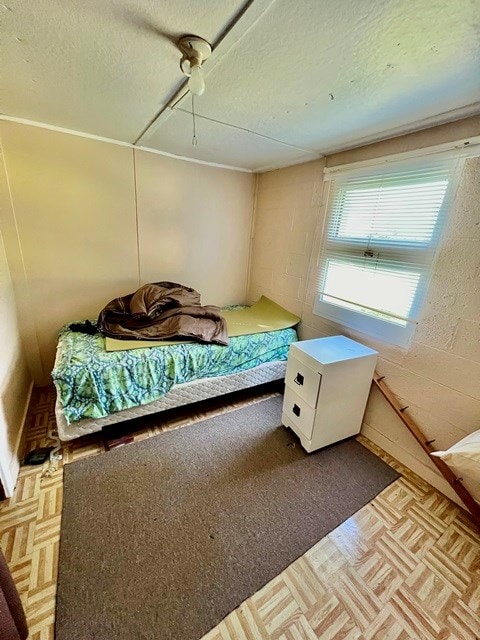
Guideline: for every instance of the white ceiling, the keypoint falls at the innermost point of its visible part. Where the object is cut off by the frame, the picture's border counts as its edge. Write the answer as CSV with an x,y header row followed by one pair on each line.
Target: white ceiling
x,y
287,81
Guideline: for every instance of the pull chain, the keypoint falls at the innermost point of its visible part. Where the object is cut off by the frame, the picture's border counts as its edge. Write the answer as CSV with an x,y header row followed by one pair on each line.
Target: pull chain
x,y
194,139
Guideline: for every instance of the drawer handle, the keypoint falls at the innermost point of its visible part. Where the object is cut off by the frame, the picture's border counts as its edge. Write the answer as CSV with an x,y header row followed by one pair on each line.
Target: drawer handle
x,y
296,410
299,379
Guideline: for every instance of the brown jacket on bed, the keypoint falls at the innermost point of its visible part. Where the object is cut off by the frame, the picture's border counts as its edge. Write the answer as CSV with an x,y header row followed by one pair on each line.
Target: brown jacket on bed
x,y
162,311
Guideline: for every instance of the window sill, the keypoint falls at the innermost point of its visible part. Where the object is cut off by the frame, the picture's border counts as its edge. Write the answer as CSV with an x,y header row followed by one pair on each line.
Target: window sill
x,y
377,328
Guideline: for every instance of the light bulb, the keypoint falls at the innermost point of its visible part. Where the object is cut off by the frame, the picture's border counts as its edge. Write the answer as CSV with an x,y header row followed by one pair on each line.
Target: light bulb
x,y
196,84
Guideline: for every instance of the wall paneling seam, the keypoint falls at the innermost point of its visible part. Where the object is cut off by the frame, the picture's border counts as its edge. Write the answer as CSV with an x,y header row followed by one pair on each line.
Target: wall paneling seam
x,y
136,214
252,234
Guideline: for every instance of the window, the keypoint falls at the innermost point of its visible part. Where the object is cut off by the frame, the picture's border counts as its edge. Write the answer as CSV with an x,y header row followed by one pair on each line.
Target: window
x,y
382,229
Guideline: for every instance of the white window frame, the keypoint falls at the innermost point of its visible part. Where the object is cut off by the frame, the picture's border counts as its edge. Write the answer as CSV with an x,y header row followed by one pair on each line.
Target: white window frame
x,y
383,329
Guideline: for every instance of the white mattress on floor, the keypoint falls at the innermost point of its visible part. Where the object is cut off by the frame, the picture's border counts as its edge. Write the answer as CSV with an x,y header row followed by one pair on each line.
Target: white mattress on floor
x,y
179,395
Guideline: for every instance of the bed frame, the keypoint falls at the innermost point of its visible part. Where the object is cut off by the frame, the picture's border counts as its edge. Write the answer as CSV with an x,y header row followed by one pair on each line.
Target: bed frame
x,y
179,395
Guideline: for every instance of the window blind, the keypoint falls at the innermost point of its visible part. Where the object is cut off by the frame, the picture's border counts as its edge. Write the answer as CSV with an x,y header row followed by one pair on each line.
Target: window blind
x,y
382,229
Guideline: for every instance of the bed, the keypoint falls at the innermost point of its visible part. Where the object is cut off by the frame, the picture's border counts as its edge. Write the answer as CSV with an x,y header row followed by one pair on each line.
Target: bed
x,y
96,388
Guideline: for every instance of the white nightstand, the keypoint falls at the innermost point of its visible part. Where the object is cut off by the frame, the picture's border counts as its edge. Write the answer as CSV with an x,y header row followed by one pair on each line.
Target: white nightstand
x,y
327,386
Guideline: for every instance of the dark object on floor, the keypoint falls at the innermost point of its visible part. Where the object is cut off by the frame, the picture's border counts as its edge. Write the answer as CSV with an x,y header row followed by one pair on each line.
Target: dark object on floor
x,y
38,456
83,327
116,435
163,538
13,625
113,443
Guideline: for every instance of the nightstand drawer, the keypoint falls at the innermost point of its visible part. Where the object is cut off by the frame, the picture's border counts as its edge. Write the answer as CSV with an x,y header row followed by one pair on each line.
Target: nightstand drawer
x,y
299,412
302,380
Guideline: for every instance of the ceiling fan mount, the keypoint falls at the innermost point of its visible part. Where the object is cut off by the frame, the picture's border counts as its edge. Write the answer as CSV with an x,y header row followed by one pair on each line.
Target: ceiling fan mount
x,y
194,49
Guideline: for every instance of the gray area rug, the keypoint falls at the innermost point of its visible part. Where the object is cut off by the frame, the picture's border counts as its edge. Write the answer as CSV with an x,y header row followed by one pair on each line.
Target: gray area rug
x,y
161,539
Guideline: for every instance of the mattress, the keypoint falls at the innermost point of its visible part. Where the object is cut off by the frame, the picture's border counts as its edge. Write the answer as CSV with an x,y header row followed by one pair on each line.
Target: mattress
x,y
92,383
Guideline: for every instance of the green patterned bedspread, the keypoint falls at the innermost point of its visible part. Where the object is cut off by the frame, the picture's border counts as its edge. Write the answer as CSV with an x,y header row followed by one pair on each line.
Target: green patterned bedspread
x,y
92,383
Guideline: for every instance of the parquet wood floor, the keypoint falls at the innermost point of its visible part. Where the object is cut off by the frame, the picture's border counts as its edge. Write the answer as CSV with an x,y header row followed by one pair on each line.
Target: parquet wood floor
x,y
406,566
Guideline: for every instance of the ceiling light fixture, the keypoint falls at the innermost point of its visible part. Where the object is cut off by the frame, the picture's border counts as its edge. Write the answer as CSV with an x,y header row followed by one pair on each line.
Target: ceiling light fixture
x,y
195,51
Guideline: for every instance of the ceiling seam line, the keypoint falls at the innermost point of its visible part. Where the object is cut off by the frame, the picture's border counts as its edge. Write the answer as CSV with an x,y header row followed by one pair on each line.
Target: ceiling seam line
x,y
174,99
224,33
159,113
255,133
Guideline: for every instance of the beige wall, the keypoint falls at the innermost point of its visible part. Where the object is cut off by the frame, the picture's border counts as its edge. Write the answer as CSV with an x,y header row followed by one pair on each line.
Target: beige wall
x,y
74,213
286,215
439,375
15,381
194,226
71,238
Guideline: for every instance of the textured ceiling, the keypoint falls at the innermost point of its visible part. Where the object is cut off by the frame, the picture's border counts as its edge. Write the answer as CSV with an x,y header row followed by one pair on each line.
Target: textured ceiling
x,y
99,66
290,81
